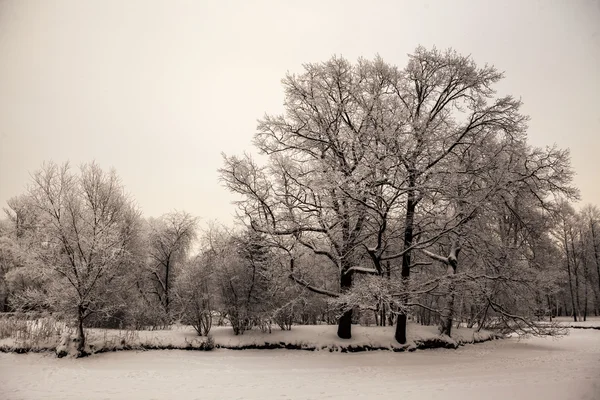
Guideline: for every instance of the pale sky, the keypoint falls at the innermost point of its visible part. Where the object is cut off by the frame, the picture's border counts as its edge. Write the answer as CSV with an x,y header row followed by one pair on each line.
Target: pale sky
x,y
158,89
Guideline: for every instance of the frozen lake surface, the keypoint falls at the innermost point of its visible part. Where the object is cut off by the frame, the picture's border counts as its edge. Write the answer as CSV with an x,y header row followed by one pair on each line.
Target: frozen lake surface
x,y
534,368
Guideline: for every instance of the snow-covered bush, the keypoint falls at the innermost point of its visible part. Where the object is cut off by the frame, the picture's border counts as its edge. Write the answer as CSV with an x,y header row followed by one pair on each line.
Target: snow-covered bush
x,y
195,294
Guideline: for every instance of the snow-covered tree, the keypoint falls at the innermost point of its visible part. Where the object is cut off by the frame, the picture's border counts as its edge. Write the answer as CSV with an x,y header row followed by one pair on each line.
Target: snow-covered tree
x,y
86,229
170,239
326,185
195,293
363,165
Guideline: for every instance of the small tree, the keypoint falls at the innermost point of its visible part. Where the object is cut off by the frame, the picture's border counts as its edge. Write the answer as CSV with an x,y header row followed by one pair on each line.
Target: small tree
x,y
169,240
195,293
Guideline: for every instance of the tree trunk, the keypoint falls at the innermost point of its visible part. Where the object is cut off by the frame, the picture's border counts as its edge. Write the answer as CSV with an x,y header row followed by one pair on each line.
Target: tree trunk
x,y
577,297
80,332
345,321
573,309
596,251
446,323
570,277
411,205
576,273
483,317
167,273
448,312
597,302
3,296
585,282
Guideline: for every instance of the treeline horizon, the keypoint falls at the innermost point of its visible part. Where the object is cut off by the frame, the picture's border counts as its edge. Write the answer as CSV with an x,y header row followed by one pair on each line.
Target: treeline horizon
x,y
386,193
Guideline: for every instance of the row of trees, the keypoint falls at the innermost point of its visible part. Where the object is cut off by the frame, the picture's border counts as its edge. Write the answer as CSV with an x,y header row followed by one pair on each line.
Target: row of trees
x,y
76,246
578,238
386,193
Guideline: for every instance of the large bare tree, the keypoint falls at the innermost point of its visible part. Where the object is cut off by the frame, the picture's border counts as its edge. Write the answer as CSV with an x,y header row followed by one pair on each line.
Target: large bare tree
x,y
320,159
371,163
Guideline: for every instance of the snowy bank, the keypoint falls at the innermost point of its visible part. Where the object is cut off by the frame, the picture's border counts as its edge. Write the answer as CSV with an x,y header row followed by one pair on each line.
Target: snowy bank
x,y
301,337
591,323
323,337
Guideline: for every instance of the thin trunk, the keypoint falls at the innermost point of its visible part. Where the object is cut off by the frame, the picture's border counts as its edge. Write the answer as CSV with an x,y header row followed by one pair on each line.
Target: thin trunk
x,y
411,205
471,319
4,299
167,272
573,312
585,305
585,275
569,275
596,251
577,298
381,314
597,302
576,273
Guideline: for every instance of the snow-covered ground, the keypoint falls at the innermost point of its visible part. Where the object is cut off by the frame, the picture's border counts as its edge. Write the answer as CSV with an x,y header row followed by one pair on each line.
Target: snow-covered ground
x,y
316,337
591,322
325,337
563,369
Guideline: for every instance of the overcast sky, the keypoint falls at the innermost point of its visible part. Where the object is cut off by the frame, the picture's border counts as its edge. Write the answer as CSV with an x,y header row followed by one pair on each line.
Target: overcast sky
x,y
158,89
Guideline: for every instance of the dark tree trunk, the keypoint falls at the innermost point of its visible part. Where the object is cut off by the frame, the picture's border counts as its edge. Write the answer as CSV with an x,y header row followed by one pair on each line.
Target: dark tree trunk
x,y
577,297
573,308
596,251
4,301
483,319
596,303
80,332
167,277
411,205
585,282
570,279
345,321
576,273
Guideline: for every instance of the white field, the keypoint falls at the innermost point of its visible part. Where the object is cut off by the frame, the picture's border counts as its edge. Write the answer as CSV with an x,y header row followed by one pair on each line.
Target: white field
x,y
568,368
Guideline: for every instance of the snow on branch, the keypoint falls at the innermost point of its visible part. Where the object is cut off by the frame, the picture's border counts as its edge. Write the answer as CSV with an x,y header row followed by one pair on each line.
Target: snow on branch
x,y
420,264
313,288
361,270
435,256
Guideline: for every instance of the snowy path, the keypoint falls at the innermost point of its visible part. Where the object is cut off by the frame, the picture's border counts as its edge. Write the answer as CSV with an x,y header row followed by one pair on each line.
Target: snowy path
x,y
528,369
